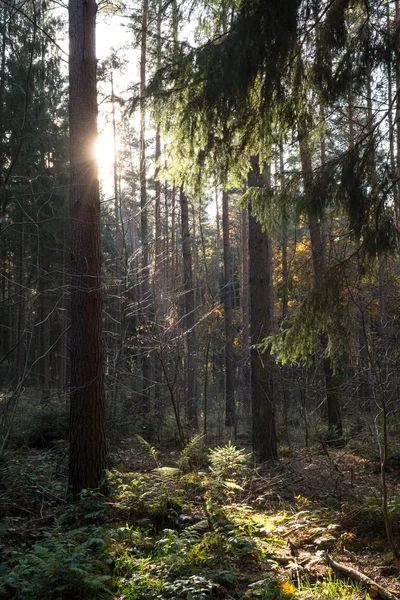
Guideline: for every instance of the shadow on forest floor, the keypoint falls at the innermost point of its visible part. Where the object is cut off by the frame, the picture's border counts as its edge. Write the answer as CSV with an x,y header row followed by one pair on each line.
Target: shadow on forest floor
x,y
168,532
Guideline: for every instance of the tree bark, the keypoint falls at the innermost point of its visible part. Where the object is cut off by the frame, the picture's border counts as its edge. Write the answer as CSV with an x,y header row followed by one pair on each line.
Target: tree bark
x,y
217,248
88,456
145,299
45,310
158,283
245,302
285,270
191,405
230,415
397,116
158,262
261,322
391,131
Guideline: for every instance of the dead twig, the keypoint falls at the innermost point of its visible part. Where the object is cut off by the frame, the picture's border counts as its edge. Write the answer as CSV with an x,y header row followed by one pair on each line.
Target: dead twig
x,y
348,571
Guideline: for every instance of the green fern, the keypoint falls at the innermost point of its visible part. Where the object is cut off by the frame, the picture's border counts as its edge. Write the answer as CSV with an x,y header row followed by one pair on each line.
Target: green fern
x,y
67,564
150,449
191,456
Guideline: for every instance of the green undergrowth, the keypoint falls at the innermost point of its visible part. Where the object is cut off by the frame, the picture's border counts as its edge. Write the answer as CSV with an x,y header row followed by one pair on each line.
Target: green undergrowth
x,y
169,534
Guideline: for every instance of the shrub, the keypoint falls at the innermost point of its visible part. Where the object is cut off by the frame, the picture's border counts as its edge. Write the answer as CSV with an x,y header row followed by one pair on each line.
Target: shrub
x,y
229,462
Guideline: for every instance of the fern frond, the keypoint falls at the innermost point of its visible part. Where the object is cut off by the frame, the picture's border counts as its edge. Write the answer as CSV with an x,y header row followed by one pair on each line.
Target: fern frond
x,y
190,456
193,445
150,449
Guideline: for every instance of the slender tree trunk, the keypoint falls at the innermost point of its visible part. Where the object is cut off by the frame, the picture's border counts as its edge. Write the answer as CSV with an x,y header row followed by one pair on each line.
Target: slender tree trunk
x,y
285,372
4,328
173,239
319,267
88,456
322,145
245,301
363,388
206,383
145,268
158,283
166,245
191,404
261,320
392,133
44,325
285,270
119,300
3,192
397,53
20,313
3,70
217,247
62,345
158,266
230,414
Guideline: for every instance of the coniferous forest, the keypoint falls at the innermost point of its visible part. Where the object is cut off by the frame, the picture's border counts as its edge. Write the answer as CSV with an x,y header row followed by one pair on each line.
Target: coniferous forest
x,y
199,299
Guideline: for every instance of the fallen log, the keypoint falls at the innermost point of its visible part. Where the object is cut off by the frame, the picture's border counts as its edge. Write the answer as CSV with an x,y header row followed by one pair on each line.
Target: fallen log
x,y
348,571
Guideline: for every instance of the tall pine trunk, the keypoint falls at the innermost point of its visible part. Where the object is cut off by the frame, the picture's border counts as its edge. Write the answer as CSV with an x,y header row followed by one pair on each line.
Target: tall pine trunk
x,y
88,457
261,322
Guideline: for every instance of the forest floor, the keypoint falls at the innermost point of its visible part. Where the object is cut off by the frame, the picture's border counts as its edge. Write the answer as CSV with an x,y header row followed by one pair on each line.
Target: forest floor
x,y
178,526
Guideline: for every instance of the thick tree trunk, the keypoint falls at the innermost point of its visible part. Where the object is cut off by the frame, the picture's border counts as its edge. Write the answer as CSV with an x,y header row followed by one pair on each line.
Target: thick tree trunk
x,y
261,320
191,404
88,457
230,414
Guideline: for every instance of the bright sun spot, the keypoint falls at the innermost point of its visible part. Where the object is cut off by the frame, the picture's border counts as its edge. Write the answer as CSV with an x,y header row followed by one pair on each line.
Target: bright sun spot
x,y
104,151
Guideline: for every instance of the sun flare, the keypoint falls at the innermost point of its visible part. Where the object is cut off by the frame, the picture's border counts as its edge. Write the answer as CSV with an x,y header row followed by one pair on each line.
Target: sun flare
x,y
104,153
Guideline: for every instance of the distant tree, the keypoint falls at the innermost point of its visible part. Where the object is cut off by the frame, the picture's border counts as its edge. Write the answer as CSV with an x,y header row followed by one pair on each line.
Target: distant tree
x,y
230,416
190,333
144,222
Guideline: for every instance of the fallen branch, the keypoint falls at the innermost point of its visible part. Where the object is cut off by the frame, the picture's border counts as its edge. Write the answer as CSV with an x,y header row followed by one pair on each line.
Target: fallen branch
x,y
357,576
